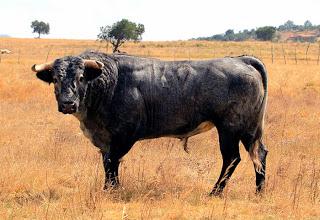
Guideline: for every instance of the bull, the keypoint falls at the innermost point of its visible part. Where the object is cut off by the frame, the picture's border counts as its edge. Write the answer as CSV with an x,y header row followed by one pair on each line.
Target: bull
x,y
120,99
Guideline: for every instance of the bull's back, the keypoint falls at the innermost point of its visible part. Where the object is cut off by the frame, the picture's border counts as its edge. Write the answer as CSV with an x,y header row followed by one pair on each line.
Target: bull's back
x,y
179,96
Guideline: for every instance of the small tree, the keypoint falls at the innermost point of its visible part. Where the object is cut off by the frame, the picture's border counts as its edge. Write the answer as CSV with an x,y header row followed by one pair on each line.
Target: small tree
x,y
40,27
265,33
288,26
229,35
121,32
307,25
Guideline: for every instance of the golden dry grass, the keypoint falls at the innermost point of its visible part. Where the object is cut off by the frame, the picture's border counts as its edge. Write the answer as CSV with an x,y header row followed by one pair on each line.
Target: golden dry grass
x,y
48,170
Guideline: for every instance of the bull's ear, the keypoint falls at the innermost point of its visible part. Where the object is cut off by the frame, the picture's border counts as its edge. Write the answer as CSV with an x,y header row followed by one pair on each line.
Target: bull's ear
x,y
44,71
93,69
45,76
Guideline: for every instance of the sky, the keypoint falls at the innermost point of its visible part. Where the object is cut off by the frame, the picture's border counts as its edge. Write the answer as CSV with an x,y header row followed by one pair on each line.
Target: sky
x,y
163,19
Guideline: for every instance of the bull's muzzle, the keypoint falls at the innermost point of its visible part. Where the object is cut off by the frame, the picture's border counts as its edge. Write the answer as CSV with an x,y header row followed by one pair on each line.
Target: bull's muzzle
x,y
67,107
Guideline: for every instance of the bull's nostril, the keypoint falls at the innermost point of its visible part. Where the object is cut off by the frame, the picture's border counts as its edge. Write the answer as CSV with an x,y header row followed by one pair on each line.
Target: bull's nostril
x,y
68,103
68,107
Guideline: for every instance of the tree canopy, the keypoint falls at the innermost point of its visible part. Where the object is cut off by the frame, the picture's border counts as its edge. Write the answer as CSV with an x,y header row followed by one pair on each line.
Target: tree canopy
x,y
121,32
40,27
265,33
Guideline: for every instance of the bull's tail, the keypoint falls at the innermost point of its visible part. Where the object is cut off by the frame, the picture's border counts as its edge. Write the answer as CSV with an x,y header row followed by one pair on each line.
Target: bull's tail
x,y
256,142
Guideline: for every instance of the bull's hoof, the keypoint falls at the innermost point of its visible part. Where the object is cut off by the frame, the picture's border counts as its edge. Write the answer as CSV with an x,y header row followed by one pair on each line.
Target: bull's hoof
x,y
260,191
216,192
260,188
110,187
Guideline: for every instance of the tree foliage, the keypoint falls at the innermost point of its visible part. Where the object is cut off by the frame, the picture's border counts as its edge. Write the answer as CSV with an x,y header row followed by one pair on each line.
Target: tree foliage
x,y
307,24
263,33
266,33
40,27
230,35
288,26
121,32
291,26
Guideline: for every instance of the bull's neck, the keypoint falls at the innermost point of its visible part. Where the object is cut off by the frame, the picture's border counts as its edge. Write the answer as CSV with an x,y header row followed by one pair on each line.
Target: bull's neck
x,y
79,115
100,91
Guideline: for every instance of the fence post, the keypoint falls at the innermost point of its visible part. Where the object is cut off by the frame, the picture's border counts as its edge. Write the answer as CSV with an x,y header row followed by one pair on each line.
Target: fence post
x,y
318,55
214,52
19,57
260,52
98,46
48,53
107,47
295,54
272,52
307,52
284,55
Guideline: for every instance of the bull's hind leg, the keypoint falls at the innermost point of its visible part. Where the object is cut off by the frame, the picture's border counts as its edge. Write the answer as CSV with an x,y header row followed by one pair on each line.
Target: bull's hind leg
x,y
229,147
258,153
260,176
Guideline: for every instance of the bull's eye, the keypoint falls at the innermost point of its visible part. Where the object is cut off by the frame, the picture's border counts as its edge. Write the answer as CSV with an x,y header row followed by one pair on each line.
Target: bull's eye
x,y
81,79
55,80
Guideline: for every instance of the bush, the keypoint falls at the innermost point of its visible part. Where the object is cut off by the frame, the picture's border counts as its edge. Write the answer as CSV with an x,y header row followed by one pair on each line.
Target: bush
x,y
265,33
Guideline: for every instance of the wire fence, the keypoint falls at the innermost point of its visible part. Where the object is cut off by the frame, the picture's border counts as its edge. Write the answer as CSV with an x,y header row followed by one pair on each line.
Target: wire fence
x,y
286,53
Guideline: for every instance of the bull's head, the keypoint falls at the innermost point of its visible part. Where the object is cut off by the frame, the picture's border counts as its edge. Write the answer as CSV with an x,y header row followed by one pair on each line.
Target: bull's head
x,y
70,76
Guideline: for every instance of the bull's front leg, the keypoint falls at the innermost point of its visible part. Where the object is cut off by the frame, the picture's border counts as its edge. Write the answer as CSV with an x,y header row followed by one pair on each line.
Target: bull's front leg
x,y
111,161
111,167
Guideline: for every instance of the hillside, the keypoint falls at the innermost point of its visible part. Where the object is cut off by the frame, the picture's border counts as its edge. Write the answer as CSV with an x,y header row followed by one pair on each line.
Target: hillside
x,y
4,36
300,36
287,32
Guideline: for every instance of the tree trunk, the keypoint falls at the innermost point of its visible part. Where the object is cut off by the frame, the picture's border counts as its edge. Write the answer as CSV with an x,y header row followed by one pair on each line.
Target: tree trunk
x,y
116,46
39,35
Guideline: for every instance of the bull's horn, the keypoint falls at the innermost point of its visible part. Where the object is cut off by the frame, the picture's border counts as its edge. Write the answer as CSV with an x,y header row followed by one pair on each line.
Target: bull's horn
x,y
93,64
42,67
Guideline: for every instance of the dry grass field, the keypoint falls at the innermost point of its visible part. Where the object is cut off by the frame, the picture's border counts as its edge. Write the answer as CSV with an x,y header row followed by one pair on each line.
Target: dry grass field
x,y
49,170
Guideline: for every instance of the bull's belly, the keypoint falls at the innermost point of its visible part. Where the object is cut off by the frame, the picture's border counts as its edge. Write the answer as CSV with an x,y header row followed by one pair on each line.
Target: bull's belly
x,y
101,137
203,127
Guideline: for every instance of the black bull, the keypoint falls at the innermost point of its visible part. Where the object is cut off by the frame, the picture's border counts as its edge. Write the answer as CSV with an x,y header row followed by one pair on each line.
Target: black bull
x,y
120,99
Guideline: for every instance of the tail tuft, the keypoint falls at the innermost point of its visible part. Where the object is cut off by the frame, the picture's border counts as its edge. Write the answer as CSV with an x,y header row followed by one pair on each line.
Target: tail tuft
x,y
254,155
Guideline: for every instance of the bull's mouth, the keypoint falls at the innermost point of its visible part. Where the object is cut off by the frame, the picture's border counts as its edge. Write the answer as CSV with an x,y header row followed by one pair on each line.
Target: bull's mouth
x,y
68,109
